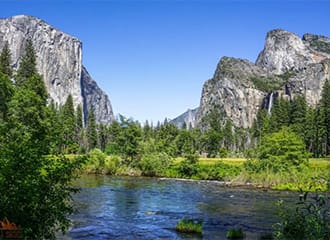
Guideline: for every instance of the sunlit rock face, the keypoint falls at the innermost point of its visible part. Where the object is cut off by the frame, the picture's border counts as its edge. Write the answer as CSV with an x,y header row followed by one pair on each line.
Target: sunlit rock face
x,y
59,60
293,65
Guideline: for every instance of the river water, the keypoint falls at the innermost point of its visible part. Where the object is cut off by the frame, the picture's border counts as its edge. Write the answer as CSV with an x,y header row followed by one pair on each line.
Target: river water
x,y
149,208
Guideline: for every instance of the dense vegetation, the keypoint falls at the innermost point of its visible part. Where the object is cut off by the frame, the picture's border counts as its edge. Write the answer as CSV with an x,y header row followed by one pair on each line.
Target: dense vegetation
x,y
34,186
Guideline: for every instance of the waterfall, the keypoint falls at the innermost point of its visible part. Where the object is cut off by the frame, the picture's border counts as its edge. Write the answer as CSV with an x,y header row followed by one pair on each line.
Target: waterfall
x,y
270,103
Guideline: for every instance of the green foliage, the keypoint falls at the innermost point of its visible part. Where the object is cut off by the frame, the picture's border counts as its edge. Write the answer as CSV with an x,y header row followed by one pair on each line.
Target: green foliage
x,y
91,130
165,138
68,124
219,171
189,226
5,61
6,93
185,142
99,163
281,150
280,116
267,84
189,166
324,118
129,139
36,192
320,46
154,164
28,65
235,233
309,220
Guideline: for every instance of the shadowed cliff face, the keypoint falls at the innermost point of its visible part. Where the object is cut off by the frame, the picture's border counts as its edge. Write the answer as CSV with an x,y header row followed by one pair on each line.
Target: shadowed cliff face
x,y
287,66
59,60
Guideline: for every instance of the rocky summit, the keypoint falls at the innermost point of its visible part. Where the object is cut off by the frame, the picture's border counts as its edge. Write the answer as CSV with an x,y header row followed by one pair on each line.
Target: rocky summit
x,y
287,66
59,60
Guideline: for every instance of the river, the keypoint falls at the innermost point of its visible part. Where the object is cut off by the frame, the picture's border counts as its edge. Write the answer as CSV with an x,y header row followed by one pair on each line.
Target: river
x,y
149,208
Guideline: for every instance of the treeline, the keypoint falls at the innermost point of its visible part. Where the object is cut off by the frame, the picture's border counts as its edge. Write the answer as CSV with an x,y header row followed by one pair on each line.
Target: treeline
x,y
215,137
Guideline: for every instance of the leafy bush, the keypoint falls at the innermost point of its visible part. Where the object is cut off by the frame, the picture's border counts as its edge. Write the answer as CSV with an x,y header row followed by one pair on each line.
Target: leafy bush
x,y
96,160
154,164
309,220
99,162
189,166
189,226
219,171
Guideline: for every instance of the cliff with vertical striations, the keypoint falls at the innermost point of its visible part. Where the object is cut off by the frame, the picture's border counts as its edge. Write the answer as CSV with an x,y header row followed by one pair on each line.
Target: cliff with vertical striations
x,y
59,60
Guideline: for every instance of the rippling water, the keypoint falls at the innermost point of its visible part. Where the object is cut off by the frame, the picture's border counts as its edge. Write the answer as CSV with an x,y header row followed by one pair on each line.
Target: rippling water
x,y
149,208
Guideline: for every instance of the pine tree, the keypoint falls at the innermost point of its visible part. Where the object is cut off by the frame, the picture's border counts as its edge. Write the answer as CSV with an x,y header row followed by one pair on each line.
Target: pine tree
x,y
69,124
6,86
228,134
147,131
6,93
298,113
91,130
79,128
103,136
325,118
28,65
5,61
280,115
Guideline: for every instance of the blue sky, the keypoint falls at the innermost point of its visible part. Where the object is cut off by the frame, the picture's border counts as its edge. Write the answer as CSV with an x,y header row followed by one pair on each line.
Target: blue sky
x,y
152,57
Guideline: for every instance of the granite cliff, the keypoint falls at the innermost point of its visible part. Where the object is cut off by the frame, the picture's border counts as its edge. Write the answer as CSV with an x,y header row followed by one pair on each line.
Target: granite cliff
x,y
59,60
286,67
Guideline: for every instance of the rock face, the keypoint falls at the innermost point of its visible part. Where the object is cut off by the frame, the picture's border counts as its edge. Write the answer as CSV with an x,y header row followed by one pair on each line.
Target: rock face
x,y
188,118
59,60
286,67
232,90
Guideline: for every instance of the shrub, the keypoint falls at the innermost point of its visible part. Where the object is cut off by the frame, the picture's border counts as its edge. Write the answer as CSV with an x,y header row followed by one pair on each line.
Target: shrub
x,y
219,171
111,165
189,226
309,220
189,166
95,161
154,164
235,233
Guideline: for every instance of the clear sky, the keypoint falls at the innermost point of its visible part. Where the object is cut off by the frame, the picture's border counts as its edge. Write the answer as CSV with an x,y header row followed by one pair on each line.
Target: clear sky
x,y
152,57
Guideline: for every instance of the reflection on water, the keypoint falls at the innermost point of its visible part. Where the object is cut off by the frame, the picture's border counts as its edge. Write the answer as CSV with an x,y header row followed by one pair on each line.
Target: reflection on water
x,y
147,208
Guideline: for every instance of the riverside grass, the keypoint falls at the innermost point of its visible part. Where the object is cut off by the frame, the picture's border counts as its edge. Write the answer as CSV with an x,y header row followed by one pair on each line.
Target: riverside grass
x,y
308,178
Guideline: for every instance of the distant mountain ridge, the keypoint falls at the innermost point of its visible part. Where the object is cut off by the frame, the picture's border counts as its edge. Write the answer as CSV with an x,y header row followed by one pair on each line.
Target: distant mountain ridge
x,y
188,118
59,60
287,66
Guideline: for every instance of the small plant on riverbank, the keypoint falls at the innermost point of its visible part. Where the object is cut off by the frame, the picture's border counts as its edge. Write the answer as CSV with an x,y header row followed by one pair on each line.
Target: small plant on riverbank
x,y
309,220
235,233
189,226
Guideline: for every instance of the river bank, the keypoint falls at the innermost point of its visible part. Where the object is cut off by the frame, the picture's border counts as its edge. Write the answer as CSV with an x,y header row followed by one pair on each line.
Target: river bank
x,y
227,171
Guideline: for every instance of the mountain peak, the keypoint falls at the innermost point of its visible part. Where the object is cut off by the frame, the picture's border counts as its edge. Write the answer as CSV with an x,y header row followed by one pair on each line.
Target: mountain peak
x,y
284,51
